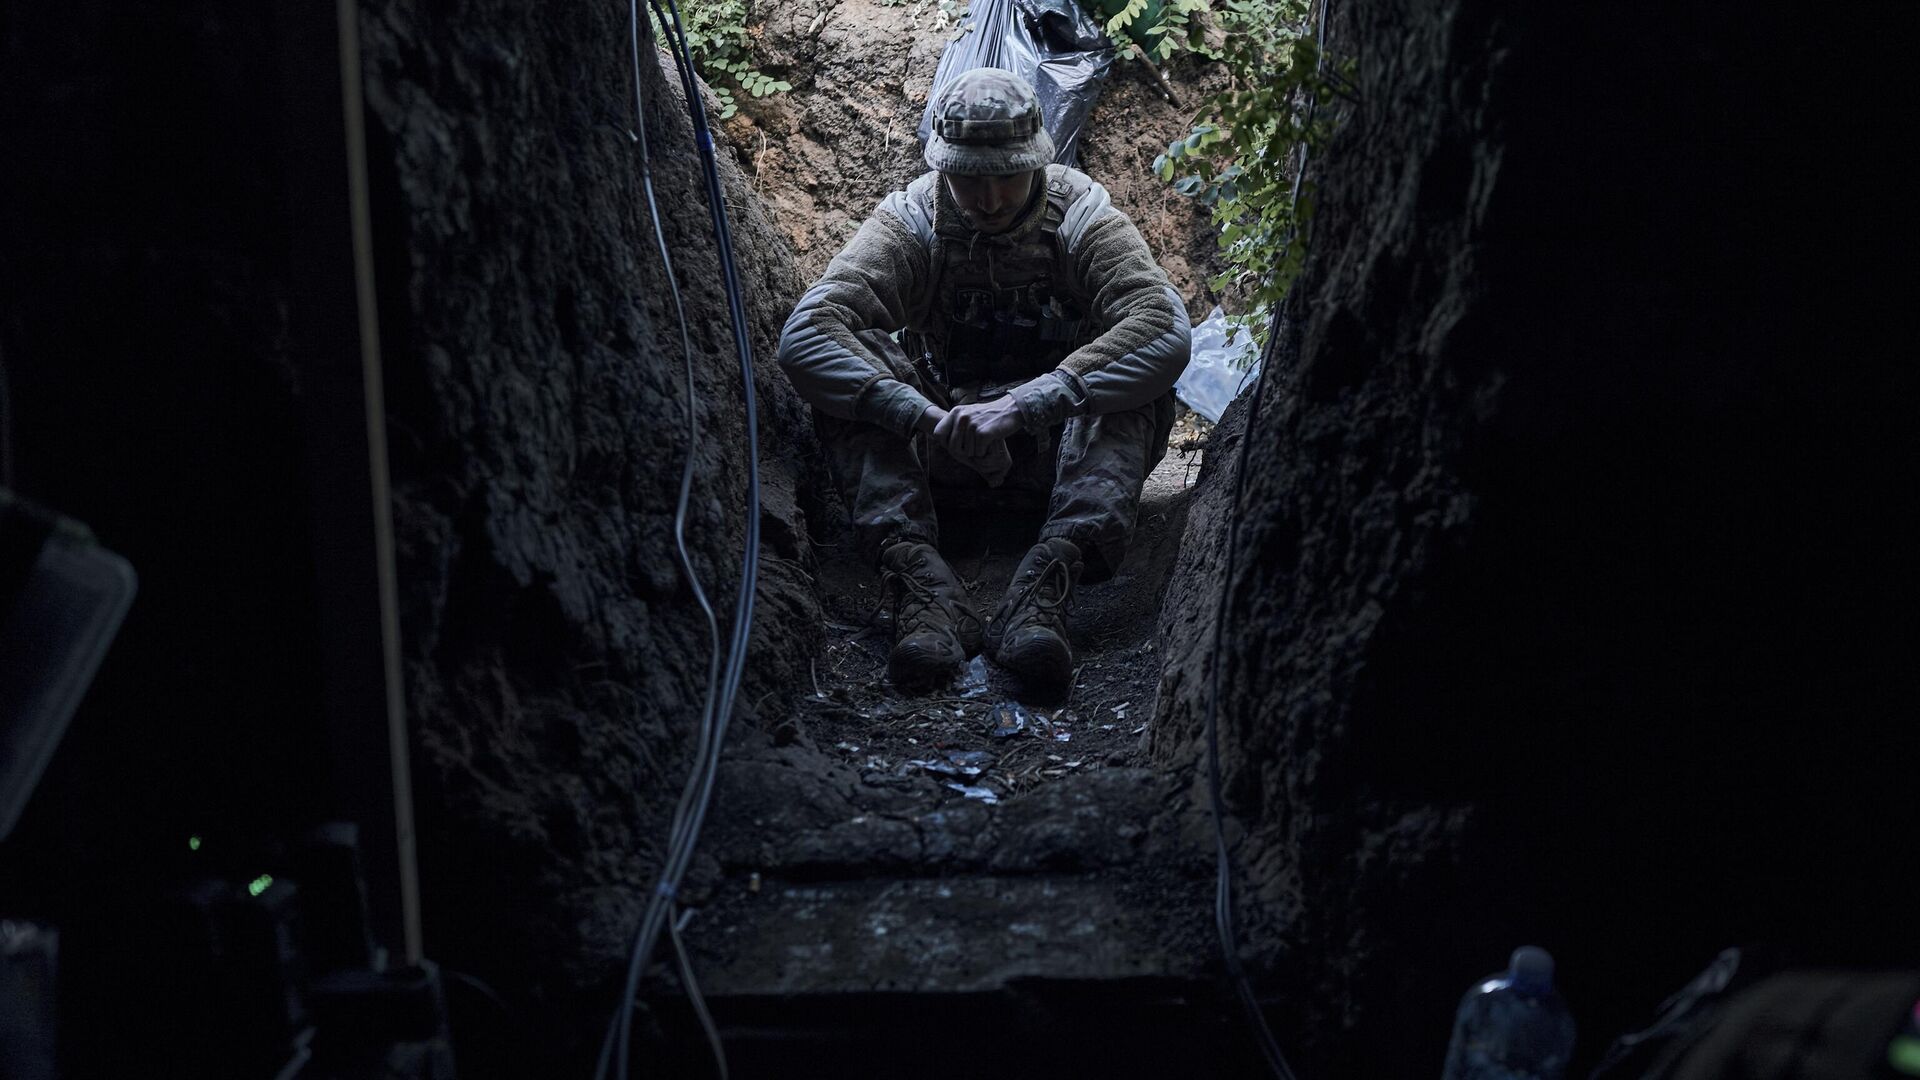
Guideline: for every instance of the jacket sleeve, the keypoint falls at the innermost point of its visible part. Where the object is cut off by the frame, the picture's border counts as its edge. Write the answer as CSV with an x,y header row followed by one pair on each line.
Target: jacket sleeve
x,y
1145,338
871,285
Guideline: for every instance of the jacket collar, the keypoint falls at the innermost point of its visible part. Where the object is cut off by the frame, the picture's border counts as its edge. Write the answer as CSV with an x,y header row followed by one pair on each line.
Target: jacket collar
x,y
948,219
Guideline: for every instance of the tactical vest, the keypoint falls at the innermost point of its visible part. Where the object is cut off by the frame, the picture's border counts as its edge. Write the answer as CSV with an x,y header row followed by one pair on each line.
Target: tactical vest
x,y
1005,308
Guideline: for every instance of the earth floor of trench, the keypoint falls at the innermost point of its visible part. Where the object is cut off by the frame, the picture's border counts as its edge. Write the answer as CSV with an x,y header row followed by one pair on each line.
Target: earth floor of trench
x,y
849,859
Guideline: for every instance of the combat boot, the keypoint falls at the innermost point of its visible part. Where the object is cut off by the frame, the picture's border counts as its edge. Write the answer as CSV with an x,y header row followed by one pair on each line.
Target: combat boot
x,y
934,628
1028,635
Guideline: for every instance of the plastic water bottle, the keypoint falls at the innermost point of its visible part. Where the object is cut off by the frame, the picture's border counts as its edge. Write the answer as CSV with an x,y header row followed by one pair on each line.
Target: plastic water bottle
x,y
1512,1025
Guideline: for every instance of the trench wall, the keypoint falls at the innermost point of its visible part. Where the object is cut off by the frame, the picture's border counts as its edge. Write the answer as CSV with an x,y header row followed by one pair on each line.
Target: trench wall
x,y
1566,597
555,657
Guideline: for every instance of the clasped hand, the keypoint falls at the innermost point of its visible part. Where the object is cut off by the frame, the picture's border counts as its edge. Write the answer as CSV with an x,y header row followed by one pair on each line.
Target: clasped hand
x,y
976,434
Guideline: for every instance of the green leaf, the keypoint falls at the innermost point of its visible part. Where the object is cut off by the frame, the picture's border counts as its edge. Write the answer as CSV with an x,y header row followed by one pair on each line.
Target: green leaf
x,y
1237,158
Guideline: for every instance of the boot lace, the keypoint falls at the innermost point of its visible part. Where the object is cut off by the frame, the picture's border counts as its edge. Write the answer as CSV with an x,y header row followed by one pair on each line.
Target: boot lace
x,y
911,597
1038,602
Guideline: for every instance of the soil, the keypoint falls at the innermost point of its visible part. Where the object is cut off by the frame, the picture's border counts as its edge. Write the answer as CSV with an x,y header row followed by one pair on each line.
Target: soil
x,y
1101,722
864,798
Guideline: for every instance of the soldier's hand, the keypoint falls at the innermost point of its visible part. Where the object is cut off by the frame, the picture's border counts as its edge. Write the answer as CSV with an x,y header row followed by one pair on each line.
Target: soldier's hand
x,y
969,431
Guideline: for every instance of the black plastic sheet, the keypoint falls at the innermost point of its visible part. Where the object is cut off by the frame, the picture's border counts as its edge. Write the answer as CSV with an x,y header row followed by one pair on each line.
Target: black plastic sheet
x,y
1052,44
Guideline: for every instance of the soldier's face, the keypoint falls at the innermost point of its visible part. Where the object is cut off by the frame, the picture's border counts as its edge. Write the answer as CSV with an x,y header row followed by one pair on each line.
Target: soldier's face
x,y
991,203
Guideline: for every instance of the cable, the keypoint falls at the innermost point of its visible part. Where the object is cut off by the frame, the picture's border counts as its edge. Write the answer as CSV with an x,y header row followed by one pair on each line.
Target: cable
x,y
743,347
691,813
1223,863
707,1025
647,933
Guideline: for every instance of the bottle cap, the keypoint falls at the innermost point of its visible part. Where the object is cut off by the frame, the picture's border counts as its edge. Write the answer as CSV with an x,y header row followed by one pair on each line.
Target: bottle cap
x,y
1531,965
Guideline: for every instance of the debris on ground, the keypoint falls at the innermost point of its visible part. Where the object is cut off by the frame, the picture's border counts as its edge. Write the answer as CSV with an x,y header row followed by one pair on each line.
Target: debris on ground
x,y
973,678
1189,437
982,730
1009,718
984,794
975,760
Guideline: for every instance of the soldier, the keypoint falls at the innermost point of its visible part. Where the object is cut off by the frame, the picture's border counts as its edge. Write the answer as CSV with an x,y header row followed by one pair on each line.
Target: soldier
x,y
1045,342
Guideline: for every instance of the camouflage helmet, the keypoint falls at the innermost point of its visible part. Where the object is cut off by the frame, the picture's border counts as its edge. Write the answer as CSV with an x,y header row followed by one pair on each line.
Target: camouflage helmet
x,y
986,122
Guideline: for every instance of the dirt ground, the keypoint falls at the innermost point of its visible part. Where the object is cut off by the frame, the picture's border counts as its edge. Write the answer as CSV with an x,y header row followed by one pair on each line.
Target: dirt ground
x,y
874,840
950,734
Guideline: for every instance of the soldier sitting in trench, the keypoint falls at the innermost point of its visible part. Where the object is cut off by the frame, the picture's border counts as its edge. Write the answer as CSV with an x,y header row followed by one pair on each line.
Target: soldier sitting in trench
x,y
1048,342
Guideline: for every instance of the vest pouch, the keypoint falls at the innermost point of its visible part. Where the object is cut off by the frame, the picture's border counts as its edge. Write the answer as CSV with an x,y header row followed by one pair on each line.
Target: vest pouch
x,y
1008,348
972,338
1014,335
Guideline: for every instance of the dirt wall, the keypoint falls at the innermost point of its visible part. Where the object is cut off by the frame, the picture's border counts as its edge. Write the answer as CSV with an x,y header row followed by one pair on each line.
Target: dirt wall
x,y
555,658
1562,604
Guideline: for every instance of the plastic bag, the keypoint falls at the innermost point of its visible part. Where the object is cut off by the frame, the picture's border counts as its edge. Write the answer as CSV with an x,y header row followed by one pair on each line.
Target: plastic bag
x,y
1052,44
1214,376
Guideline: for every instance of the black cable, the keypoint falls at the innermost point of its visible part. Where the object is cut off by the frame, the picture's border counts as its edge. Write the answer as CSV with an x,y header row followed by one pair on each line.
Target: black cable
x,y
692,811
1223,863
647,931
743,346
693,427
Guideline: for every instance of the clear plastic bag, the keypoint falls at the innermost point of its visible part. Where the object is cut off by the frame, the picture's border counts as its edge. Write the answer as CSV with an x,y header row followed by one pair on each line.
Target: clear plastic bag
x,y
1223,365
1053,44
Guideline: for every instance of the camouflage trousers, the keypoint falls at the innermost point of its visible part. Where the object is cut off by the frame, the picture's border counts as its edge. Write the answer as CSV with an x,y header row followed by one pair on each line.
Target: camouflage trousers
x,y
1091,469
